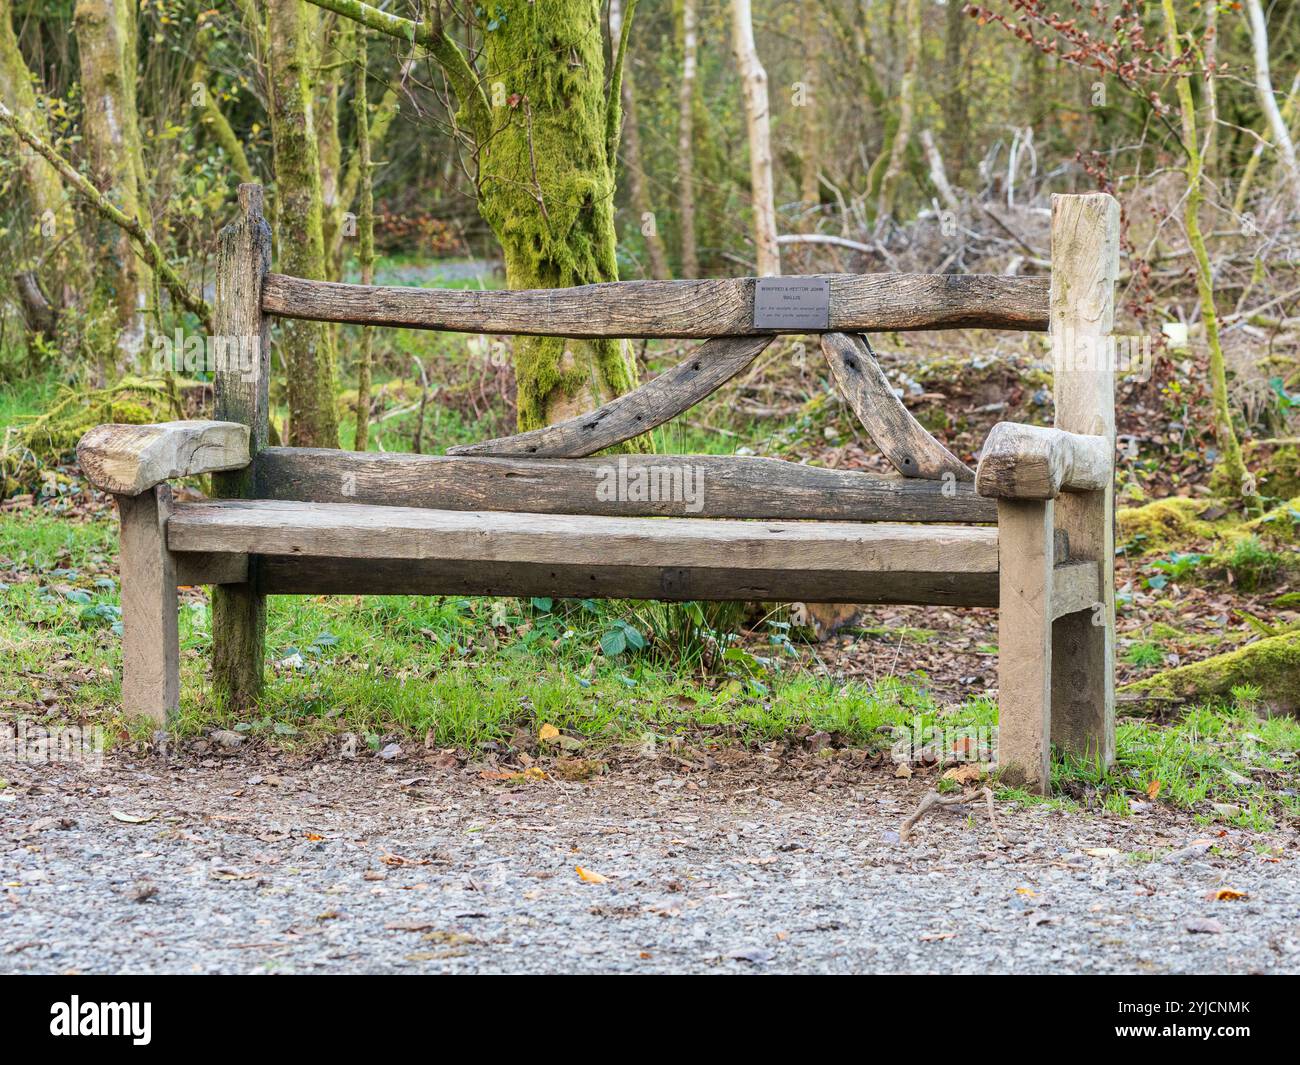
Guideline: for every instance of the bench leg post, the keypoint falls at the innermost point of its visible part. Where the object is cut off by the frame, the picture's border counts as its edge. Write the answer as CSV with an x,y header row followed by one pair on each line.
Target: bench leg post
x,y
1026,556
1085,264
151,652
239,641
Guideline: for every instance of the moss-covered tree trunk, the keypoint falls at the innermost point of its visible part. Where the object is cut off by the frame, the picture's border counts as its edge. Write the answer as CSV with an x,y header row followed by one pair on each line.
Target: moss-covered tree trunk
x,y
106,41
49,236
300,246
546,187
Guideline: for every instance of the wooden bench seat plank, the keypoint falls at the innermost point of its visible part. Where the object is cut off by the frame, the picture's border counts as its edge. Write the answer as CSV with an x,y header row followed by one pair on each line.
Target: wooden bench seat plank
x,y
721,486
269,527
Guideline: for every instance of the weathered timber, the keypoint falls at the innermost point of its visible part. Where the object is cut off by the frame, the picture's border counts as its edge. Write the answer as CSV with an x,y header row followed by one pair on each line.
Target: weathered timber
x,y
352,531
1026,585
635,412
668,309
1085,264
151,652
198,568
349,576
702,486
1075,587
903,440
1035,462
129,459
240,328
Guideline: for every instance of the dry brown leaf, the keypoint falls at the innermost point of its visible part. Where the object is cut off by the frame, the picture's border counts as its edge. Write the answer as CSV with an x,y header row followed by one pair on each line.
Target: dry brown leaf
x,y
965,774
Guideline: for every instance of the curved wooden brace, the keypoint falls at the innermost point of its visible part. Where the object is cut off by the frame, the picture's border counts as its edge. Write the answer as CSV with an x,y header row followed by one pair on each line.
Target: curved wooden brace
x,y
707,368
901,438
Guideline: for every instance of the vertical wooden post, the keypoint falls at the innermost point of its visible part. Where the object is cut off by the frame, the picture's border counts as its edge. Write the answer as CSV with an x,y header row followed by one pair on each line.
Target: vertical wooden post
x,y
1085,264
1026,556
151,651
242,344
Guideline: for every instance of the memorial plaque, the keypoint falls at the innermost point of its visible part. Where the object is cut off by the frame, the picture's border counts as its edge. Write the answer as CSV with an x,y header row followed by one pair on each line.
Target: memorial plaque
x,y
792,304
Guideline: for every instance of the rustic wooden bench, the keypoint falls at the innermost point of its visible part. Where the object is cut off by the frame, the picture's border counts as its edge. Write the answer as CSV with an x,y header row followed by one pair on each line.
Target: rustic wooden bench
x,y
1029,532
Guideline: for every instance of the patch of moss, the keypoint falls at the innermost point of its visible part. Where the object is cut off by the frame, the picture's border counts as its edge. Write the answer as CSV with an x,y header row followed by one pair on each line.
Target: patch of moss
x,y
1272,665
1281,524
1163,524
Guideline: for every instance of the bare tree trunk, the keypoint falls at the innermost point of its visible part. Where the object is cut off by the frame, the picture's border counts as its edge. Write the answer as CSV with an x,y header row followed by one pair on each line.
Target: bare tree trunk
x,y
106,40
1252,164
686,143
638,193
810,136
300,246
758,120
1264,89
906,109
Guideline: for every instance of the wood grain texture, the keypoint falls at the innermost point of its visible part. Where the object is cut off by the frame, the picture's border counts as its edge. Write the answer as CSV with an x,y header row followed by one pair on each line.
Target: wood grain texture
x,y
129,459
150,634
686,309
352,531
197,568
635,412
1026,584
1075,586
1035,462
345,576
911,450
711,486
1085,264
243,261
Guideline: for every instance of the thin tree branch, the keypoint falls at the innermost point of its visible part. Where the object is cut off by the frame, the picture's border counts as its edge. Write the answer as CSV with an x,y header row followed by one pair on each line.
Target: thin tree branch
x,y
171,279
430,35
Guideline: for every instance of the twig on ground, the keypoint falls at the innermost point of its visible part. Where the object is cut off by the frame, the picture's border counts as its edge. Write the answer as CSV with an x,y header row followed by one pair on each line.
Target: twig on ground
x,y
931,799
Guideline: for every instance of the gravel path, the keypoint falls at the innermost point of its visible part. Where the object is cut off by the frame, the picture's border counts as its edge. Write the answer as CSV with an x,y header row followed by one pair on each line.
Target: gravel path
x,y
746,863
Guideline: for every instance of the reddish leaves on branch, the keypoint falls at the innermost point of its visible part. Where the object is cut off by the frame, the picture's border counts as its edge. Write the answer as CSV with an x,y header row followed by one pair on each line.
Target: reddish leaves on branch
x,y
1116,44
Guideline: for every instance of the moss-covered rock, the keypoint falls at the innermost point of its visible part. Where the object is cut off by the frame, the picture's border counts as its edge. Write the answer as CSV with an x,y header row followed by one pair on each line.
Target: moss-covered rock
x,y
1272,665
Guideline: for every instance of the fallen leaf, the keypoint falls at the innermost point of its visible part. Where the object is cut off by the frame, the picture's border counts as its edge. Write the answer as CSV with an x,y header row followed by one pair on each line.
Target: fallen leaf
x,y
904,771
590,876
225,872
133,819
548,733
964,774
1227,894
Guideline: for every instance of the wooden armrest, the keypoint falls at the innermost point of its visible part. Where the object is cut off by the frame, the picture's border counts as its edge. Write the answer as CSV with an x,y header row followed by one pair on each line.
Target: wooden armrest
x,y
1032,462
130,459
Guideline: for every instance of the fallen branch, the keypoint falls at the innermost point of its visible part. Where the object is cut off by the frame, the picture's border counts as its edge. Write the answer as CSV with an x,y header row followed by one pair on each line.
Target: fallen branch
x,y
931,799
170,278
